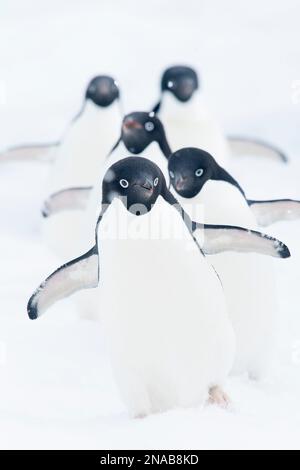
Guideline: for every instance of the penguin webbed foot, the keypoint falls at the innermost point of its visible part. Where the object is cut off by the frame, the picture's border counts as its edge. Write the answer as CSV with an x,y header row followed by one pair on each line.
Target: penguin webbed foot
x,y
217,396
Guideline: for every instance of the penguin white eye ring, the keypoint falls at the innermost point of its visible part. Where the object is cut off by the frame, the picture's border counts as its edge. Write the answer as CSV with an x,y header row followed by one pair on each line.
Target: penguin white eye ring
x,y
199,172
149,126
172,174
124,183
155,182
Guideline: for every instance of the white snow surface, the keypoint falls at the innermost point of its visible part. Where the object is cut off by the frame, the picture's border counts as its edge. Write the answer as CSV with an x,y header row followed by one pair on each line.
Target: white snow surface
x,y
56,386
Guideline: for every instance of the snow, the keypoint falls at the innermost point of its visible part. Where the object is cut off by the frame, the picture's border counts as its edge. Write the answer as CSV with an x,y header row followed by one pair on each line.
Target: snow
x,y
56,386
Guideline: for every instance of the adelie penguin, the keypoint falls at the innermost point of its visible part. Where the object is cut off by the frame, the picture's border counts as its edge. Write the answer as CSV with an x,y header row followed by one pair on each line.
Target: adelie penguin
x,y
90,133
188,122
249,281
164,313
84,149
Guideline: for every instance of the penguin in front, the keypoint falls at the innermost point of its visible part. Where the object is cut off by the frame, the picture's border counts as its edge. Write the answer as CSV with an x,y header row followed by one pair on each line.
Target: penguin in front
x,y
163,309
91,131
188,122
83,152
248,281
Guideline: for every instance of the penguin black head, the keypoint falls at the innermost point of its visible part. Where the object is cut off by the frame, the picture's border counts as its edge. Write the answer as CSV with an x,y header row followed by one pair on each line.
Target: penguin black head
x,y
136,181
189,169
102,90
140,129
181,81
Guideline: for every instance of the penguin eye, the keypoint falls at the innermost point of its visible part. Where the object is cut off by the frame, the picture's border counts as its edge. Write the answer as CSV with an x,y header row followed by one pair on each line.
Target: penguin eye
x,y
124,183
149,126
155,182
171,174
199,172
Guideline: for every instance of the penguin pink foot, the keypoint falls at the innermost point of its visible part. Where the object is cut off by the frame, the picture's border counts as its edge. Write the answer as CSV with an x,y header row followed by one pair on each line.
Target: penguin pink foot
x,y
218,397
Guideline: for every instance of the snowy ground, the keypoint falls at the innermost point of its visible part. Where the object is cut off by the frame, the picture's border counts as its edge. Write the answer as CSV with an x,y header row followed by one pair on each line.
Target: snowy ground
x,y
56,388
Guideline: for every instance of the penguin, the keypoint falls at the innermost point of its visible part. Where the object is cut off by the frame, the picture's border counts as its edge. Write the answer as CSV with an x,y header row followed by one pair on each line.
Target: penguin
x,y
248,281
90,136
83,152
188,122
142,132
93,128
169,337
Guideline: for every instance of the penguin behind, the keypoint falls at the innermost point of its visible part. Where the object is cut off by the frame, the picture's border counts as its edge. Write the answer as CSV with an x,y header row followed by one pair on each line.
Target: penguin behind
x,y
188,121
103,92
82,153
170,341
89,137
248,281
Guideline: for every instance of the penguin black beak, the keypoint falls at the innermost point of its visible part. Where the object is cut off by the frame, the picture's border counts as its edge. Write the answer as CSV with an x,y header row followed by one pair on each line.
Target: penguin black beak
x,y
145,185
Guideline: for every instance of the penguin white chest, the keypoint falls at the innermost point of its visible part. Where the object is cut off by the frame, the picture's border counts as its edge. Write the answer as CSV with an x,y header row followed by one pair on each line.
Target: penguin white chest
x,y
85,147
152,152
191,125
164,312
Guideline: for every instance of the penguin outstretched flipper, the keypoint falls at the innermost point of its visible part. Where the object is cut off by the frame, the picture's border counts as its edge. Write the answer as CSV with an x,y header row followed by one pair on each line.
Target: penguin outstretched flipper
x,y
269,212
80,273
40,152
67,199
245,146
215,239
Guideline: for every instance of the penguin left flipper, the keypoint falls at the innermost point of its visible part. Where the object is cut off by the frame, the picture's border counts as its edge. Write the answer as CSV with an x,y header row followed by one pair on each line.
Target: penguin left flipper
x,y
215,239
269,212
80,273
40,152
67,199
250,147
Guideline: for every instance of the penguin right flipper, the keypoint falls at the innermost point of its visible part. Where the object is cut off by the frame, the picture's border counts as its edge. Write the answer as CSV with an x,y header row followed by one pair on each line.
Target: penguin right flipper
x,y
215,239
80,273
67,199
245,146
277,210
41,152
